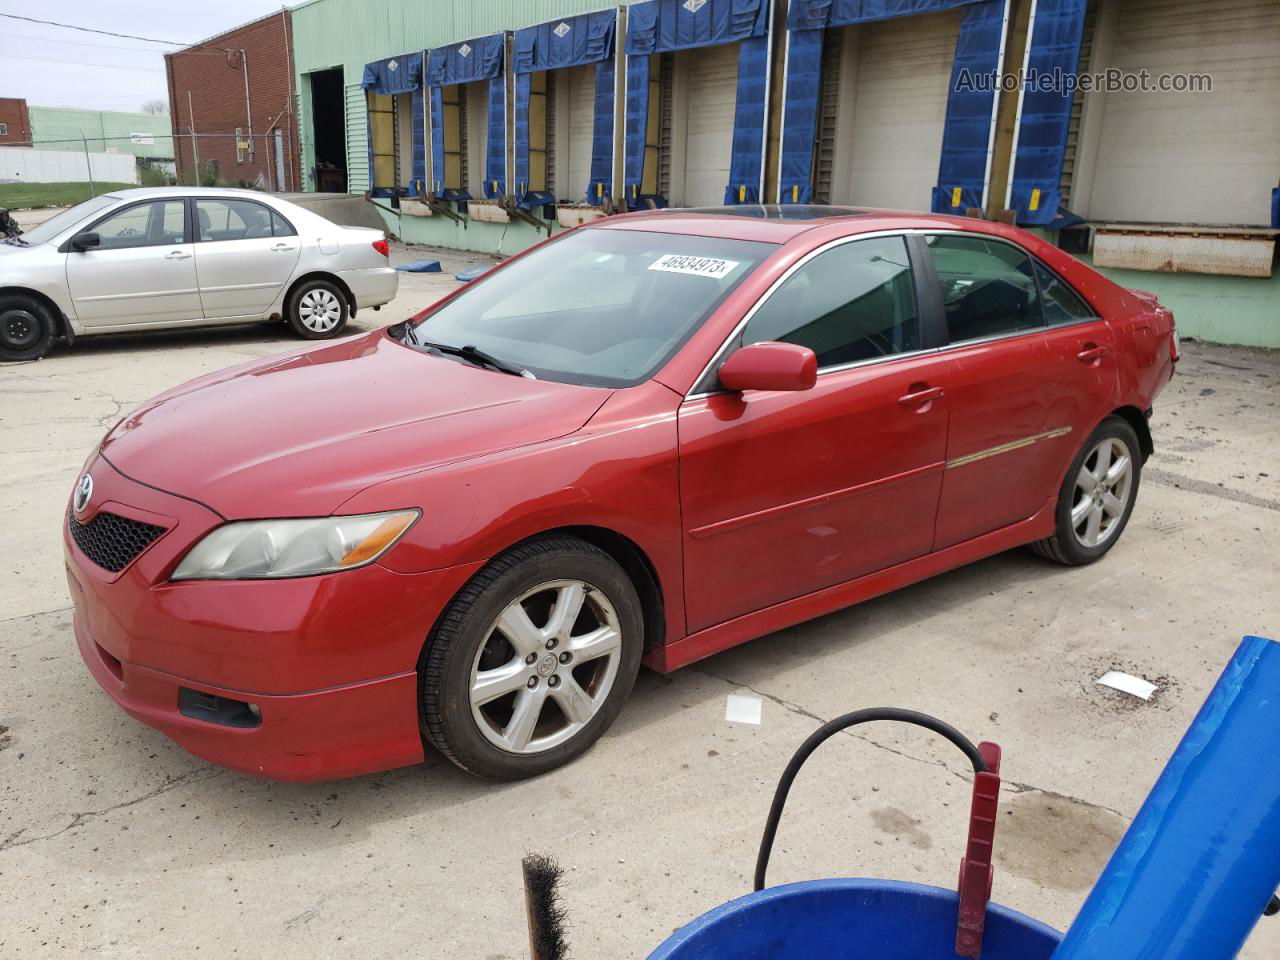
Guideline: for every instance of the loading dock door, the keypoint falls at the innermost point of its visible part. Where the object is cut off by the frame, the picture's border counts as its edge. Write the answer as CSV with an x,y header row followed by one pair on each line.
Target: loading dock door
x,y
713,81
900,92
580,103
1206,158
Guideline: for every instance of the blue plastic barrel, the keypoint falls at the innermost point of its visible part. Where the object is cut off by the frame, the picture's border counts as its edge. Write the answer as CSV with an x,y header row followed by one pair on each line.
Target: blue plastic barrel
x,y
846,919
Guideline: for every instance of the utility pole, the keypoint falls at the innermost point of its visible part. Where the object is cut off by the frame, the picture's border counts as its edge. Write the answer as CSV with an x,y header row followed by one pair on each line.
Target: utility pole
x,y
248,111
88,164
195,145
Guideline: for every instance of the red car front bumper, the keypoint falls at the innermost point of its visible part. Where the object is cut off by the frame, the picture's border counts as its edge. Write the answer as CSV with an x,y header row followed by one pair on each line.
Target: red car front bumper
x,y
326,664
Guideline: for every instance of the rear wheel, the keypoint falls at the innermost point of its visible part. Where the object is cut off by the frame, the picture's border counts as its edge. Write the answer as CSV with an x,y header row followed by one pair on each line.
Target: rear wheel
x,y
317,310
533,660
26,328
1097,496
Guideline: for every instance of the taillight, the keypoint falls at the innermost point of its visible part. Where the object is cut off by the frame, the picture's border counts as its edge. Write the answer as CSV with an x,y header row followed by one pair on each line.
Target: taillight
x,y
382,247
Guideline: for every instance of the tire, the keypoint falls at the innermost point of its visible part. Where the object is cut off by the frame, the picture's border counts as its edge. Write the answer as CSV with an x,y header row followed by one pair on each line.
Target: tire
x,y
26,328
317,310
505,617
1080,542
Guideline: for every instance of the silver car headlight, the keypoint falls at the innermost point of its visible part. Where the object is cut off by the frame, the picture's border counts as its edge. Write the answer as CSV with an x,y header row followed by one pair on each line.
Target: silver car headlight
x,y
266,549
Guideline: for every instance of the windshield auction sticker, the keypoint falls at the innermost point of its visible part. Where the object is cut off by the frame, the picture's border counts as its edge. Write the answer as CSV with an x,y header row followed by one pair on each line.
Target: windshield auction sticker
x,y
697,266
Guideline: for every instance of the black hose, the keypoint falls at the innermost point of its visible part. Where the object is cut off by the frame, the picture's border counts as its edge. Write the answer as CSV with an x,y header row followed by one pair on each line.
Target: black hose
x,y
830,729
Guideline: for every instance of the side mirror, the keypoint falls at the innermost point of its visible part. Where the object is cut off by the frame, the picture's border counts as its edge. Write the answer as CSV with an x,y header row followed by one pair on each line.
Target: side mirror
x,y
770,366
85,241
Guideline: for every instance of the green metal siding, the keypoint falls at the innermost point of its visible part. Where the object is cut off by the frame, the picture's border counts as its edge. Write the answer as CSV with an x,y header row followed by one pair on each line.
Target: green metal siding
x,y
306,148
351,33
58,128
357,139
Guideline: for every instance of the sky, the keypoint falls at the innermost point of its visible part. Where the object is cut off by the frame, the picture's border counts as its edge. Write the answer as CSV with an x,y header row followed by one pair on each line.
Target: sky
x,y
58,67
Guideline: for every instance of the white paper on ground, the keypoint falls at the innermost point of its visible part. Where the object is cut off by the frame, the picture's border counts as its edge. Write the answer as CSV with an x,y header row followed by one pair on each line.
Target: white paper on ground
x,y
1127,683
742,708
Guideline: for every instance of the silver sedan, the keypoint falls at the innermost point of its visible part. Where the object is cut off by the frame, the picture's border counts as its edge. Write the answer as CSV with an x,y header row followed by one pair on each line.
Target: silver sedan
x,y
168,257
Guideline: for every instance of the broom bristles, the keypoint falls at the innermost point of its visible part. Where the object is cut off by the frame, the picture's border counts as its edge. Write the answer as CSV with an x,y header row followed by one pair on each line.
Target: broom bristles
x,y
545,909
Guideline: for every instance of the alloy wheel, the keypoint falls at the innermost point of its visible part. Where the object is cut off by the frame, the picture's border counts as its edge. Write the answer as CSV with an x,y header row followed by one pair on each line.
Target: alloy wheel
x,y
1103,488
546,666
319,310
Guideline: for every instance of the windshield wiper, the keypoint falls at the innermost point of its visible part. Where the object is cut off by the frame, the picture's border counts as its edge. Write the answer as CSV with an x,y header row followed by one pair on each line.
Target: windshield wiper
x,y
474,355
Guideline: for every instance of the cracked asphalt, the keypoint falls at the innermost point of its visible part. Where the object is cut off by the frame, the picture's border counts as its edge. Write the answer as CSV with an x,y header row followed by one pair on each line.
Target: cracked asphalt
x,y
115,843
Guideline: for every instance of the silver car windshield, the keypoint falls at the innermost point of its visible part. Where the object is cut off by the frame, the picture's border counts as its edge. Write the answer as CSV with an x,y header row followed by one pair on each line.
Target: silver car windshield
x,y
598,307
59,222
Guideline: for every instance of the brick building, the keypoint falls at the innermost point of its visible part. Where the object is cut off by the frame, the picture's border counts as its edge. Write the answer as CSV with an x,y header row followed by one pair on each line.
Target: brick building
x,y
15,124
231,100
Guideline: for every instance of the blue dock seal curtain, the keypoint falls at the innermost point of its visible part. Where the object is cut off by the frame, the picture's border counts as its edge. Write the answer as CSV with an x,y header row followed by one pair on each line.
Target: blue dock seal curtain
x,y
806,21
399,75
660,26
467,62
568,42
1045,115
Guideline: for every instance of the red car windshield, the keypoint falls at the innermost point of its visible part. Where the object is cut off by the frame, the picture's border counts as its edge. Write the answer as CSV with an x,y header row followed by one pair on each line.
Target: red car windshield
x,y
598,307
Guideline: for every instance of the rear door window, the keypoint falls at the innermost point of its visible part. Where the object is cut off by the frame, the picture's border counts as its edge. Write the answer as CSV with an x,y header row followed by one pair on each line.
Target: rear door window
x,y
281,227
853,302
1061,303
988,287
232,220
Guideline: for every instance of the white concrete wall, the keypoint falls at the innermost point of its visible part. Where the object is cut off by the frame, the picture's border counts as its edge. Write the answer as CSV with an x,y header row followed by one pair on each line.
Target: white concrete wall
x,y
26,165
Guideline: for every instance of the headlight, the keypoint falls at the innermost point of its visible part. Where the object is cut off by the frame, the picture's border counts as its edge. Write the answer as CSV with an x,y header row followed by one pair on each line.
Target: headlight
x,y
263,549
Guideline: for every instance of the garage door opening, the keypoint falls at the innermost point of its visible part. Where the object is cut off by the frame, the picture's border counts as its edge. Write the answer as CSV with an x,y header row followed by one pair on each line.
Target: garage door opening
x,y
689,134
1186,157
565,80
467,92
894,76
395,108
697,102
328,122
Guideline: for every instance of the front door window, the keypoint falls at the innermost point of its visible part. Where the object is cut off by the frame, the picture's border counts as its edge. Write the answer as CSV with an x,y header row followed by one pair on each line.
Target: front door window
x,y
143,225
853,302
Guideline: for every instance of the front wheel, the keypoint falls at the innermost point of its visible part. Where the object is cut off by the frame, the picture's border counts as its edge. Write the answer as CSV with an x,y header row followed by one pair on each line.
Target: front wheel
x,y
532,661
26,328
1097,496
317,310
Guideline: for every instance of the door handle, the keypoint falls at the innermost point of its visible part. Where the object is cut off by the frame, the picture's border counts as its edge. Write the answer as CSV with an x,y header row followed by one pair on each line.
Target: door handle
x,y
177,255
1091,353
280,247
920,395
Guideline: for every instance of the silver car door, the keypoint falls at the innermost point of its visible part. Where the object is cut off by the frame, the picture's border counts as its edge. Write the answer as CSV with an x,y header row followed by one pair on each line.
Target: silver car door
x,y
245,254
141,271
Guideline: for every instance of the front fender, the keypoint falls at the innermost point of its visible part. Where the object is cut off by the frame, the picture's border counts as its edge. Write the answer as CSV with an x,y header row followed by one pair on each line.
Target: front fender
x,y
619,473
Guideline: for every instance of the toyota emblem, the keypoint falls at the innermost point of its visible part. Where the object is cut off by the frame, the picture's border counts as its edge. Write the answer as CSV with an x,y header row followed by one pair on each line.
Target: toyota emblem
x,y
84,490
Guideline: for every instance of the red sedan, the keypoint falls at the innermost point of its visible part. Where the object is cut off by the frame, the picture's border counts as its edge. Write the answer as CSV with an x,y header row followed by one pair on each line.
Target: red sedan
x,y
642,441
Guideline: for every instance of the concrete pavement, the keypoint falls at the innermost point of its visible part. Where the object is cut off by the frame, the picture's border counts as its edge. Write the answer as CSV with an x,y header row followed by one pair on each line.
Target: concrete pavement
x,y
115,843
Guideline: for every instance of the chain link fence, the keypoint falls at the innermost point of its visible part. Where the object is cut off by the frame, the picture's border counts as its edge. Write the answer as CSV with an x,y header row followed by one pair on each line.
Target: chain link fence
x,y
55,172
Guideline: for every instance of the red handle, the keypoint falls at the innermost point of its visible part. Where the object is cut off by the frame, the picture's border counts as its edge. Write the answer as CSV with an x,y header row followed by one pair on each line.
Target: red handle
x,y
1091,353
976,870
918,394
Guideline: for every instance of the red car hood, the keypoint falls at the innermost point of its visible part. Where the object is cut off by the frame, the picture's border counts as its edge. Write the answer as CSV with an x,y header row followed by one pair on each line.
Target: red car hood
x,y
300,434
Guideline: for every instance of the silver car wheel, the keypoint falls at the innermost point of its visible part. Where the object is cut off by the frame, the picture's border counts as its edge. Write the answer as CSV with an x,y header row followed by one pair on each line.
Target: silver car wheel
x,y
1103,487
319,310
545,667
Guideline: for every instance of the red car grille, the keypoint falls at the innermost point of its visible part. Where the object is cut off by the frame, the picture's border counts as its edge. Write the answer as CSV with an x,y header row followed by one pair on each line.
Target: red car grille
x,y
112,541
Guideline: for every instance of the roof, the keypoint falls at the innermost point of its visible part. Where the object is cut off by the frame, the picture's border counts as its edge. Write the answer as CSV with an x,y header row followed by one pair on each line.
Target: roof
x,y
209,41
773,223
146,193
